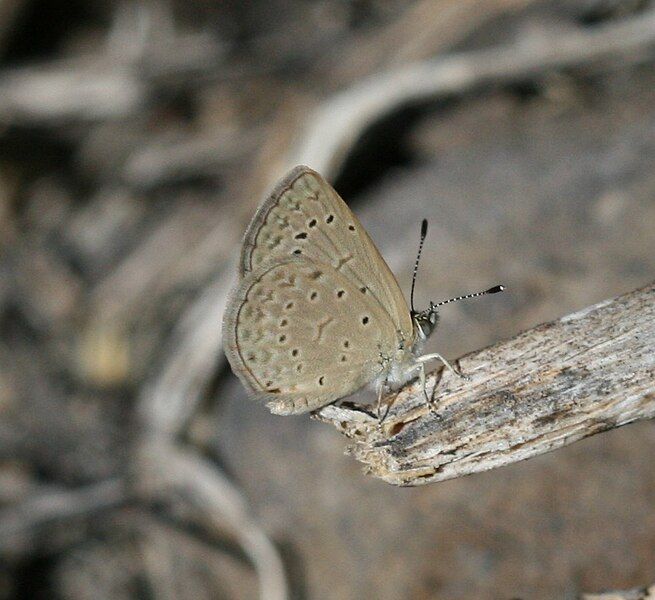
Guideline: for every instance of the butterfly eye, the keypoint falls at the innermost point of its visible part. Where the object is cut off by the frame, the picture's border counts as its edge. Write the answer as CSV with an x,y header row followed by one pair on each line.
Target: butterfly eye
x,y
329,219
365,320
312,223
341,293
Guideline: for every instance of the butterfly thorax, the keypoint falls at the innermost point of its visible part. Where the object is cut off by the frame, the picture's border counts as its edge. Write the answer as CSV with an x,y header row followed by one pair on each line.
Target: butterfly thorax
x,y
397,365
400,367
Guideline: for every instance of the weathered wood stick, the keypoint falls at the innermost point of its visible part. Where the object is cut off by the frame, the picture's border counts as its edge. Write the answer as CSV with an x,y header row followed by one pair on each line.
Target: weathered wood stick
x,y
635,594
164,470
333,128
47,506
550,386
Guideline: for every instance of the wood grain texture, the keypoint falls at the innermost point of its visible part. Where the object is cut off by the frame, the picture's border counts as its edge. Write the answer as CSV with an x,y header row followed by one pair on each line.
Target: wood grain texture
x,y
560,382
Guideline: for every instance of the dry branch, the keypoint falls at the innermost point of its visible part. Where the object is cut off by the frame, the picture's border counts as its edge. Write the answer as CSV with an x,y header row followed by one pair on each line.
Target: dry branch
x,y
163,469
338,123
168,401
142,50
55,506
636,594
416,35
550,386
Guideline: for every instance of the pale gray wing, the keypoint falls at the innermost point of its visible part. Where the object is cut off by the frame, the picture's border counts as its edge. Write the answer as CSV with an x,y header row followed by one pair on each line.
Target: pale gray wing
x,y
304,216
299,334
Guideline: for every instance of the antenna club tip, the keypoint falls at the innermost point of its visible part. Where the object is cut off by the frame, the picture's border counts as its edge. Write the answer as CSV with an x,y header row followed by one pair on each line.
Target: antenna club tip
x,y
424,227
496,289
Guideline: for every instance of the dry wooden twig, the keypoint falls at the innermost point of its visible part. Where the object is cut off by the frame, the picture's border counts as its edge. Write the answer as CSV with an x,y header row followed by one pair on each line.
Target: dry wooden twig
x,y
143,47
338,123
548,387
164,469
57,505
416,35
162,466
636,594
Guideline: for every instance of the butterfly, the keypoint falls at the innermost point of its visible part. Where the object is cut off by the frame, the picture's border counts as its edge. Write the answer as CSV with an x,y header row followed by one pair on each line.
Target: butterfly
x,y
316,313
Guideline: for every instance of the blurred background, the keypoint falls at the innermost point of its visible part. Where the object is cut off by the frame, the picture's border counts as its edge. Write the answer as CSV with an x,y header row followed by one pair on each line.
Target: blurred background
x,y
136,140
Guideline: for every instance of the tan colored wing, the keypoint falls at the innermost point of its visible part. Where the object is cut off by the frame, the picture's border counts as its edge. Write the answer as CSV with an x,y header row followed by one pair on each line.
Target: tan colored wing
x,y
304,216
299,334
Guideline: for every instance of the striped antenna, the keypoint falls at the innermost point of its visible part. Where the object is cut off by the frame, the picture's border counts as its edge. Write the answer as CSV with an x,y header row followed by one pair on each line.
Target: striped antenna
x,y
424,232
492,290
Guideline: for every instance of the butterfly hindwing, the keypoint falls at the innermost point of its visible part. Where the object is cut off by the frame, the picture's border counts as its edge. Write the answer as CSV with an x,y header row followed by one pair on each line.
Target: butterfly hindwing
x,y
300,334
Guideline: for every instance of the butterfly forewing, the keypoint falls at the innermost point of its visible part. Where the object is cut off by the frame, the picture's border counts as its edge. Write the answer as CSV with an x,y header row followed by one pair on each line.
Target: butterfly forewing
x,y
305,217
300,334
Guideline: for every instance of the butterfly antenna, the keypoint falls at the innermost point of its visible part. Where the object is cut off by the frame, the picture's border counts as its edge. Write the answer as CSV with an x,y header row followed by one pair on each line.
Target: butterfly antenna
x,y
492,290
424,232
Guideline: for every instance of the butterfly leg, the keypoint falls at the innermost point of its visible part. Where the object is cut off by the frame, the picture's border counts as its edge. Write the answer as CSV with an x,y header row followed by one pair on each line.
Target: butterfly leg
x,y
381,388
428,400
435,355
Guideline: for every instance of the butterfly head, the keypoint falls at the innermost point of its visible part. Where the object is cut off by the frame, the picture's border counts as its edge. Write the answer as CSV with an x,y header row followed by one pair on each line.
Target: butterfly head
x,y
425,322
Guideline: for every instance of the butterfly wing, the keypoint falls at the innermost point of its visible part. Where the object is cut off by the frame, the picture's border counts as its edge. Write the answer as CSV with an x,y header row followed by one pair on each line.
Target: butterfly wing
x,y
304,216
300,334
